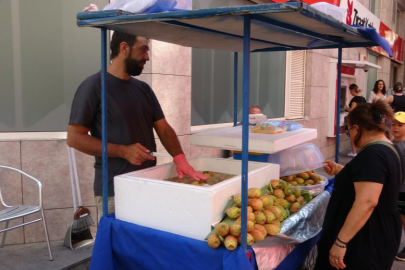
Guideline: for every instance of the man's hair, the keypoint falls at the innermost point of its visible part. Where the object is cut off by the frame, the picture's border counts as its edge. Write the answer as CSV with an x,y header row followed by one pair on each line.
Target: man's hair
x,y
116,40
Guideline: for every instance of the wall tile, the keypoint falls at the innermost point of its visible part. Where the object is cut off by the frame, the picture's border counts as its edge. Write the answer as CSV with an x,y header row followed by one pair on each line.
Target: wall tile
x,y
171,59
145,77
308,67
174,95
58,222
185,145
11,187
48,161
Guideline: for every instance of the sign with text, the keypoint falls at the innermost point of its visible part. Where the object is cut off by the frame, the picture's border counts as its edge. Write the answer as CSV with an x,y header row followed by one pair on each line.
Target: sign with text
x,y
357,14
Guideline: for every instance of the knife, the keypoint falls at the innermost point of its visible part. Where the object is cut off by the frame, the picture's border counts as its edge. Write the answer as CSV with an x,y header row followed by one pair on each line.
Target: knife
x,y
159,154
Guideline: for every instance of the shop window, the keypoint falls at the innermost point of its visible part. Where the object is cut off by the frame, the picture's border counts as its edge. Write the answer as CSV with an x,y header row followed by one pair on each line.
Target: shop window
x,y
394,11
212,85
44,57
375,7
371,74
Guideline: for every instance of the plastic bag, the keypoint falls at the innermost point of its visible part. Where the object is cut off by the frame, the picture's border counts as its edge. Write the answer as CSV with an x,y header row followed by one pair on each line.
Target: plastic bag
x,y
133,6
287,125
266,128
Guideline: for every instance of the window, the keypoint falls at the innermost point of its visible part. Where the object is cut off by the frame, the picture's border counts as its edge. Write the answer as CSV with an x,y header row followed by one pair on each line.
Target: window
x,y
375,7
394,11
44,58
371,74
212,85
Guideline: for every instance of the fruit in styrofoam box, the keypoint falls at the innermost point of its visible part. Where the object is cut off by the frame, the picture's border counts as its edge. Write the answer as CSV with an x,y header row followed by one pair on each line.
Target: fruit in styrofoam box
x,y
299,181
213,241
256,204
261,228
276,222
294,183
267,200
290,198
233,212
272,229
304,176
307,196
283,203
249,239
309,182
265,190
250,216
250,226
234,229
288,190
260,217
279,193
301,200
283,212
231,242
250,209
237,199
222,229
269,216
275,183
273,197
254,193
297,192
276,211
282,184
257,235
295,207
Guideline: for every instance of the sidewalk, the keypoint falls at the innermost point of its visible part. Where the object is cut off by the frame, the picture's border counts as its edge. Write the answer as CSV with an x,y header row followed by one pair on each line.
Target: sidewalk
x,y
35,257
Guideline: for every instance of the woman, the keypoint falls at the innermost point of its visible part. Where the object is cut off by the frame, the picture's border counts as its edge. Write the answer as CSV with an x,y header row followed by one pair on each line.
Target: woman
x,y
397,101
356,100
362,226
378,92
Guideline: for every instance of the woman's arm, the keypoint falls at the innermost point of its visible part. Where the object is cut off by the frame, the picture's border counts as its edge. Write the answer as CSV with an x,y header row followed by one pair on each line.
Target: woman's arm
x,y
354,104
332,167
371,97
389,99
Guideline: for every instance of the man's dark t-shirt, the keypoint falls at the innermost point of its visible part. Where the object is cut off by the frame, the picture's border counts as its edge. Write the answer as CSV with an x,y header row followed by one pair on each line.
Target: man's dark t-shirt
x,y
132,108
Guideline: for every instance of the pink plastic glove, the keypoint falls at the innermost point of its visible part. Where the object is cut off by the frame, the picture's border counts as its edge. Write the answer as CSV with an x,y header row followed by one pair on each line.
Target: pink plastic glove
x,y
183,168
91,7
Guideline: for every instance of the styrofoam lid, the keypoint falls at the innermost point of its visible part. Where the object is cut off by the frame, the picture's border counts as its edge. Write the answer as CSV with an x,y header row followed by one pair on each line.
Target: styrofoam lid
x,y
297,159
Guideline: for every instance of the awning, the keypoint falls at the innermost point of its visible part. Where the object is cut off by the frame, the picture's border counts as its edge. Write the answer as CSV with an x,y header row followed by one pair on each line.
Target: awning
x,y
365,65
274,27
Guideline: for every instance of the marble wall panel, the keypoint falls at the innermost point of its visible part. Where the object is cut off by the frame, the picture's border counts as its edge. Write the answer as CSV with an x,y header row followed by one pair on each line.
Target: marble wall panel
x,y
57,221
171,59
174,95
48,162
185,145
145,77
308,66
11,187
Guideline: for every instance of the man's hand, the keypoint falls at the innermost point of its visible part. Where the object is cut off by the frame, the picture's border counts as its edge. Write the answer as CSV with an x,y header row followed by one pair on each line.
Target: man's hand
x,y
136,154
184,168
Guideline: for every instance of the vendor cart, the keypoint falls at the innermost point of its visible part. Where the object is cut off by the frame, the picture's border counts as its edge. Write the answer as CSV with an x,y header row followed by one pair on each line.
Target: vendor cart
x,y
257,28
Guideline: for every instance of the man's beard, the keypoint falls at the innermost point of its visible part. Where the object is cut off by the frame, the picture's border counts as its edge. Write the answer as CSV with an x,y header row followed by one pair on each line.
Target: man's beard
x,y
133,67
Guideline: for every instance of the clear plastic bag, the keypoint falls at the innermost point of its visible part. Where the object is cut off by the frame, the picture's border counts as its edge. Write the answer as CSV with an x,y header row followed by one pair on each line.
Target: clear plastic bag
x,y
266,128
133,6
286,125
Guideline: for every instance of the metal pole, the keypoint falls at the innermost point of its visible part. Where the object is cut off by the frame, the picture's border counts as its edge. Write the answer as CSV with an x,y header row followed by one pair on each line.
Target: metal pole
x,y
245,127
104,154
235,88
339,79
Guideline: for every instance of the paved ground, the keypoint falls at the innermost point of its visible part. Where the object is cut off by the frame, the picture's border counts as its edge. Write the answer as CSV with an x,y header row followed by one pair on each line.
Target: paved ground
x,y
35,256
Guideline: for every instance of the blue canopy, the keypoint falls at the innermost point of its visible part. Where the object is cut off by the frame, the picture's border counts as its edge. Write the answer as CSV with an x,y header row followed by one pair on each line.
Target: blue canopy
x,y
274,27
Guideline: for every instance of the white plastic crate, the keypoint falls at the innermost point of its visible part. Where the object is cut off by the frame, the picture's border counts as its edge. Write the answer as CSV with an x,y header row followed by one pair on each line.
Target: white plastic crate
x,y
143,198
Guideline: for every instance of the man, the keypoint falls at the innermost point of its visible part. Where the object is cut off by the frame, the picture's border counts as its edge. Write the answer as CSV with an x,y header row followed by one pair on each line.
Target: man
x,y
133,113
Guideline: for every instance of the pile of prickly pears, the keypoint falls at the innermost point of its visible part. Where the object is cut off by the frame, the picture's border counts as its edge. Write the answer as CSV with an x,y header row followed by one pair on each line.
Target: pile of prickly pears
x,y
308,178
267,207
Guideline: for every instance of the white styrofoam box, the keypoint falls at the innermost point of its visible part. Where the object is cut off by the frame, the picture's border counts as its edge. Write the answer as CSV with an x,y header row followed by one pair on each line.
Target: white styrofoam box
x,y
336,12
143,198
231,138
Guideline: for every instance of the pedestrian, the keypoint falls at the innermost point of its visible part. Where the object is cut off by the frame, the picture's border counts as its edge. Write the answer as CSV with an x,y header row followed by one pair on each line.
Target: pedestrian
x,y
362,226
356,100
398,131
379,91
133,112
397,101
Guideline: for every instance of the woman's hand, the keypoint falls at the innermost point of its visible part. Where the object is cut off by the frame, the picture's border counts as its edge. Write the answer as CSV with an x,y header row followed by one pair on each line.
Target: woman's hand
x,y
331,168
336,255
